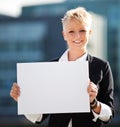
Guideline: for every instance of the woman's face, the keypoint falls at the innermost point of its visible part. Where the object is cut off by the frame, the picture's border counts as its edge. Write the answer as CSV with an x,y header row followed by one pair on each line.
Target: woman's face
x,y
76,35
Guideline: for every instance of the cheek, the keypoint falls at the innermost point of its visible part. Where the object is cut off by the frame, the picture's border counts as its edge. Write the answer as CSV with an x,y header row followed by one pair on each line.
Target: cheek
x,y
68,38
87,37
64,36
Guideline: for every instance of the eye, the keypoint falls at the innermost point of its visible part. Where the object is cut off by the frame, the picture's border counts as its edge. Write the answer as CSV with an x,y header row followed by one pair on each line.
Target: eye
x,y
71,31
82,31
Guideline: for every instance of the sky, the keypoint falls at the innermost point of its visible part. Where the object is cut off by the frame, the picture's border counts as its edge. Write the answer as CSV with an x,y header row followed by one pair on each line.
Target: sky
x,y
14,7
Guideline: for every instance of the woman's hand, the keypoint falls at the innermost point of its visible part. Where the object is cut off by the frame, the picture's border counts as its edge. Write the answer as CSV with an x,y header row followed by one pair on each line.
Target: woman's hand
x,y
92,91
15,91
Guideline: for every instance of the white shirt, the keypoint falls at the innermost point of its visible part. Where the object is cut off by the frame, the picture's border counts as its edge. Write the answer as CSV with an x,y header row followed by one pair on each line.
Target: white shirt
x,y
105,112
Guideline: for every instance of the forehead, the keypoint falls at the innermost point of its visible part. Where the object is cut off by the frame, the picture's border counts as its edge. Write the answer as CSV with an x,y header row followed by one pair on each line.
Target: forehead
x,y
74,24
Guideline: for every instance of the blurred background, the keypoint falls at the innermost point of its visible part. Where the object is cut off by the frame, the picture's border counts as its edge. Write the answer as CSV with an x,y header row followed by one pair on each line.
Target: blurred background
x,y
30,31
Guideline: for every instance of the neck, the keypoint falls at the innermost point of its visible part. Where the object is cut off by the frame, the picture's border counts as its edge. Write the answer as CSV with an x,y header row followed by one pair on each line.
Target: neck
x,y
74,55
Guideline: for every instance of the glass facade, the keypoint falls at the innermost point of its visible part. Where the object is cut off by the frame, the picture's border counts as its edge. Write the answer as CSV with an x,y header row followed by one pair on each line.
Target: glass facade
x,y
19,42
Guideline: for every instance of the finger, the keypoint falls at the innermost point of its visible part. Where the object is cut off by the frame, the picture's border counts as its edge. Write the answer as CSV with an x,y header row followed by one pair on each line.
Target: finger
x,y
15,86
15,91
92,90
92,86
92,96
14,95
16,99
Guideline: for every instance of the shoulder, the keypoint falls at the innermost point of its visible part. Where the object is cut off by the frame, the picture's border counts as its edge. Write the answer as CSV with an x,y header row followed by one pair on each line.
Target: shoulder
x,y
98,62
95,59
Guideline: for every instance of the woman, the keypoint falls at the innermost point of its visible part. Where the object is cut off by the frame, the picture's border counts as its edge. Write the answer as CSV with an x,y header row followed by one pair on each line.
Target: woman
x,y
76,32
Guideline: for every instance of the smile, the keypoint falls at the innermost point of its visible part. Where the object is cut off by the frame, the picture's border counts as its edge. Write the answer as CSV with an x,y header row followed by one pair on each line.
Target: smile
x,y
77,42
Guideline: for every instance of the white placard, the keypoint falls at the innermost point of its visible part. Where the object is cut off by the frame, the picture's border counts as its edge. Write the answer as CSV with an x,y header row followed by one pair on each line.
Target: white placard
x,y
53,87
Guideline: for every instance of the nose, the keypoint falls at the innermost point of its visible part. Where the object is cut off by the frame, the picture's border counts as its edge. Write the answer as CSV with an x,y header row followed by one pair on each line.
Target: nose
x,y
77,35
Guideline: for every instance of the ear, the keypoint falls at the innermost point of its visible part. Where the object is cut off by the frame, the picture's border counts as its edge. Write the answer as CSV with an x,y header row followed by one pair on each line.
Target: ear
x,y
90,32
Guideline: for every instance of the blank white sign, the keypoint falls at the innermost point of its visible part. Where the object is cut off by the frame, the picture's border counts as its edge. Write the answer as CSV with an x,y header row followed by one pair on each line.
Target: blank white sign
x,y
53,87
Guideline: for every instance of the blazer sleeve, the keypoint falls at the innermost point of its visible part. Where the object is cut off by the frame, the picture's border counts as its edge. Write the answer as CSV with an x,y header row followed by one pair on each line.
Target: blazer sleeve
x,y
106,87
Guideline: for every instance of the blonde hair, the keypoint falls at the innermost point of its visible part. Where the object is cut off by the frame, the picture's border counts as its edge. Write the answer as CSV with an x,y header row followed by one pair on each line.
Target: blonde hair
x,y
80,14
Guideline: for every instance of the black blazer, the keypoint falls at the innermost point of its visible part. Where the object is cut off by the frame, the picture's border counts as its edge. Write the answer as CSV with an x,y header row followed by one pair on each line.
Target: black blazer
x,y
100,74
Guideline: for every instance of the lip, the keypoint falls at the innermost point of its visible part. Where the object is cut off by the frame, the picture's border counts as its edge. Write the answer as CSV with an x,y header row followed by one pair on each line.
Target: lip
x,y
77,42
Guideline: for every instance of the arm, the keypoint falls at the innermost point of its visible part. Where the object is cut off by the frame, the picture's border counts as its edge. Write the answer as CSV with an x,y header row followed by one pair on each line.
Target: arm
x,y
106,94
103,109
